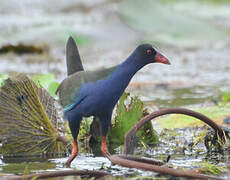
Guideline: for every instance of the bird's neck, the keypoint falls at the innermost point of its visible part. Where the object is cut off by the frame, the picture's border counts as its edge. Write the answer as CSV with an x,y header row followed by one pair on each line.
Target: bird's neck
x,y
124,72
128,68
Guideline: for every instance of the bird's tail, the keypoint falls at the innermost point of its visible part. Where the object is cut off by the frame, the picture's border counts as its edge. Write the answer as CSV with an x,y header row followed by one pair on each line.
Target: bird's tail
x,y
73,59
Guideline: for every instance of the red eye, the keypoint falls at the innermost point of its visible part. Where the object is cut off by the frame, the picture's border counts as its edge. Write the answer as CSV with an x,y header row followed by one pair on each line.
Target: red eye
x,y
149,52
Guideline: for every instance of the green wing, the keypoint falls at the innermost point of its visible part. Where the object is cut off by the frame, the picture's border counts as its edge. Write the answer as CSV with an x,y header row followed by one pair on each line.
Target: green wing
x,y
69,88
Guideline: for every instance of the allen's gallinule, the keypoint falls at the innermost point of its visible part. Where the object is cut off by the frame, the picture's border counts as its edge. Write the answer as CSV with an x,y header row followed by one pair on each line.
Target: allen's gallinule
x,y
95,93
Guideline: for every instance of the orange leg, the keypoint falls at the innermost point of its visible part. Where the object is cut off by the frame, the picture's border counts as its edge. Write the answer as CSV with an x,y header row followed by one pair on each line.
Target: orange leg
x,y
73,154
104,148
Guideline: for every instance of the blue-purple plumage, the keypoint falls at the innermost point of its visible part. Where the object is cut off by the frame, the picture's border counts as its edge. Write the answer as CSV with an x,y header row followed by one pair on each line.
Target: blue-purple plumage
x,y
95,93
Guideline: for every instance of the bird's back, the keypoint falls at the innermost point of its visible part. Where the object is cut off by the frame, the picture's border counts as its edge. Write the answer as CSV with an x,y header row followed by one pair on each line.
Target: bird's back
x,y
69,88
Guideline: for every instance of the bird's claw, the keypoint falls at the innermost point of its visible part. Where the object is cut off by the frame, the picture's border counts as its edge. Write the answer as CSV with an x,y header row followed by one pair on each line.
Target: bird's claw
x,y
71,158
106,154
67,164
73,154
105,151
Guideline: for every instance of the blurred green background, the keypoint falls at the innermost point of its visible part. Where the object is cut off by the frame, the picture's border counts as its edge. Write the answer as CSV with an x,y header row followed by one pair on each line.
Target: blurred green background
x,y
194,34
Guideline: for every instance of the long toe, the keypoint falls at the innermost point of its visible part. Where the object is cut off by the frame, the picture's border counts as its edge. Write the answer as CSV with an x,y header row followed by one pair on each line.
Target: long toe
x,y
71,158
106,153
73,154
67,163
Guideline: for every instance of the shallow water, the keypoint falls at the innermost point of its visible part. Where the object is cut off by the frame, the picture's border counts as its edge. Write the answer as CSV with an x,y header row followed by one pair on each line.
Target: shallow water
x,y
200,61
169,145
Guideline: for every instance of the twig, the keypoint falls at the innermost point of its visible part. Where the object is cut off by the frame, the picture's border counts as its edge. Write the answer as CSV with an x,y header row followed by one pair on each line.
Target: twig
x,y
162,170
145,164
89,174
131,135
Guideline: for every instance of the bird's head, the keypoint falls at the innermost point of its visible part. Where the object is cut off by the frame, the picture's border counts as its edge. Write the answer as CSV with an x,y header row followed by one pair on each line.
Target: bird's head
x,y
146,53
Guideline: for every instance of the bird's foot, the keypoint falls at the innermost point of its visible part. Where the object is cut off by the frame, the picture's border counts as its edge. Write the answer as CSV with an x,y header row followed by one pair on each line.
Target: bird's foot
x,y
73,154
104,148
105,151
68,162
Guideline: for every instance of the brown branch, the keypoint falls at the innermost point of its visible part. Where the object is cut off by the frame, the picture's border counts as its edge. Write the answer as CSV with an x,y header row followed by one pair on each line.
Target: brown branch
x,y
141,159
146,164
89,174
131,135
162,170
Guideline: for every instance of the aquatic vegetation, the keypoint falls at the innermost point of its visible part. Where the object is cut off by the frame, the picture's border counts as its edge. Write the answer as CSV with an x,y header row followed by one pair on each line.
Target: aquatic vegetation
x,y
48,82
210,168
26,94
129,111
29,119
21,49
3,77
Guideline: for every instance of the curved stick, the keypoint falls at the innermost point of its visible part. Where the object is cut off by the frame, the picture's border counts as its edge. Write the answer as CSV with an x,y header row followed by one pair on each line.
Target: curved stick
x,y
131,135
162,170
145,164
140,159
97,174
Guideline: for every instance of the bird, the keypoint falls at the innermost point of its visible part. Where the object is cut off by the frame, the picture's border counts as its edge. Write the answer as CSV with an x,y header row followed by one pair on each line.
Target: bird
x,y
95,93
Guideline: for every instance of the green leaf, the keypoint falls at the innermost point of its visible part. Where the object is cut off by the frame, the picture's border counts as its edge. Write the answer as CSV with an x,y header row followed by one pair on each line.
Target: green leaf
x,y
128,112
43,79
126,117
3,77
52,88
